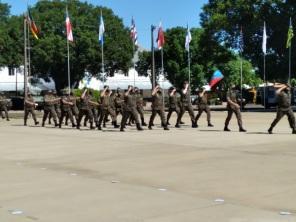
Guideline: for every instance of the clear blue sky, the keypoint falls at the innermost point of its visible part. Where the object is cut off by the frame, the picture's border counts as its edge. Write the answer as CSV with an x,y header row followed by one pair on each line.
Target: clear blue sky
x,y
146,12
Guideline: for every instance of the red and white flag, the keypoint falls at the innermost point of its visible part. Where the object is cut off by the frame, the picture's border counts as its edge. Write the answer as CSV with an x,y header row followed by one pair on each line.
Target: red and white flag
x,y
134,34
160,37
69,28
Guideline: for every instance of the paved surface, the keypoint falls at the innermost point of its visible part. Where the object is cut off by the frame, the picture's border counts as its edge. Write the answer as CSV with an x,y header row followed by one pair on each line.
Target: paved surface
x,y
55,175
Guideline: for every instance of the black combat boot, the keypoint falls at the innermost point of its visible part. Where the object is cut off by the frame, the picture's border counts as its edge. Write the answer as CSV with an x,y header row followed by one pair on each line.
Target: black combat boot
x,y
166,127
43,123
143,122
269,130
241,129
182,122
194,125
115,125
73,125
210,125
294,131
226,129
150,127
25,123
177,125
139,127
91,126
36,123
121,129
56,124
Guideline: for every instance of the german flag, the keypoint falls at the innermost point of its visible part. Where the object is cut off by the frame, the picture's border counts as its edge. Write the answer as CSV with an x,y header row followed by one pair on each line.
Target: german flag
x,y
33,27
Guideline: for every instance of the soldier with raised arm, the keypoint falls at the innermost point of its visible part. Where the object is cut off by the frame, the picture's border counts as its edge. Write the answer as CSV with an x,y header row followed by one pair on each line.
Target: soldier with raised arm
x,y
283,106
66,110
203,106
130,109
157,108
186,105
173,104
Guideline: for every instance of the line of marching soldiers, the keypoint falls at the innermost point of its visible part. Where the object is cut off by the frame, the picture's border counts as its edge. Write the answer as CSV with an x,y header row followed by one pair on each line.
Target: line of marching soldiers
x,y
130,105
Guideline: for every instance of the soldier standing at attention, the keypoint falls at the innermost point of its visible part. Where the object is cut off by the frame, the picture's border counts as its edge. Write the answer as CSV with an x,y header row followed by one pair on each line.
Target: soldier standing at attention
x,y
85,109
203,107
106,108
3,106
66,108
233,107
49,101
157,108
140,105
173,104
186,105
284,106
130,109
30,107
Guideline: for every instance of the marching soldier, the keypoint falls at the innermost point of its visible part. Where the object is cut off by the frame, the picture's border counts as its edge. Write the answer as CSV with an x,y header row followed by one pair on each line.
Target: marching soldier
x,y
173,104
85,109
30,107
57,106
233,107
3,106
66,109
203,107
186,106
49,109
140,104
74,108
284,107
157,108
130,109
106,108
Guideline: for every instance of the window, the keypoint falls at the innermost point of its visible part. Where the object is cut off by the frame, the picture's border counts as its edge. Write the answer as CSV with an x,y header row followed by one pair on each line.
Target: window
x,y
11,71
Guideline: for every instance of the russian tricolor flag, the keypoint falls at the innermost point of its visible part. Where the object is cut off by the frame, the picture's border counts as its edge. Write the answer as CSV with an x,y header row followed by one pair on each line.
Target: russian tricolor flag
x,y
217,77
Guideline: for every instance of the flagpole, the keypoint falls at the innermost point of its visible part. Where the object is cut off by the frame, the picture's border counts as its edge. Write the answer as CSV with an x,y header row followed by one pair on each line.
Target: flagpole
x,y
153,60
189,71
162,73
290,52
29,50
264,79
69,81
103,68
241,81
134,65
25,62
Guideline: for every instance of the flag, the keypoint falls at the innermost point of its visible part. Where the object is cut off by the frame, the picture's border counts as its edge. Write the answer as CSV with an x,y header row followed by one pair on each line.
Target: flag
x,y
33,27
160,37
264,42
290,35
217,77
101,30
188,39
134,34
69,27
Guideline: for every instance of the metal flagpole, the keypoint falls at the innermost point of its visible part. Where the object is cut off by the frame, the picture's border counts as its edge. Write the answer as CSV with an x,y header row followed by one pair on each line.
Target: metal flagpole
x,y
290,52
162,73
25,55
103,68
153,60
134,63
189,71
241,82
264,79
69,81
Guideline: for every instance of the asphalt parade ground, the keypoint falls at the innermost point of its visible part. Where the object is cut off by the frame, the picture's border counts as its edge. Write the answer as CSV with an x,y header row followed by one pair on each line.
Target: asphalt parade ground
x,y
181,175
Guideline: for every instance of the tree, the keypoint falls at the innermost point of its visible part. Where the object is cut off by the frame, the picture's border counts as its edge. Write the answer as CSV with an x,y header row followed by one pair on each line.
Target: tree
x,y
49,53
224,19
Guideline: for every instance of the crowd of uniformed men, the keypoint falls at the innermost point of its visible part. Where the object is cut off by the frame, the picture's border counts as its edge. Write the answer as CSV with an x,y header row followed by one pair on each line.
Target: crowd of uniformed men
x,y
130,105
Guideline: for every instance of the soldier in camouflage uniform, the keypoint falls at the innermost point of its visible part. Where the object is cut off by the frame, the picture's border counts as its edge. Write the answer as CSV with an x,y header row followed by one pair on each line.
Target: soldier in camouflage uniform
x,y
66,110
173,104
74,108
186,105
203,107
3,106
85,109
49,101
284,107
130,109
57,106
140,105
30,107
106,108
157,108
233,107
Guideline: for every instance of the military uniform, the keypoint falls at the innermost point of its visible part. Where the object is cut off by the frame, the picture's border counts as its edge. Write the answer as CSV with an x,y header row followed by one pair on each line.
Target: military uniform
x,y
3,106
66,110
140,105
129,109
158,108
30,108
173,107
203,107
85,110
74,108
231,108
284,108
106,109
186,106
49,109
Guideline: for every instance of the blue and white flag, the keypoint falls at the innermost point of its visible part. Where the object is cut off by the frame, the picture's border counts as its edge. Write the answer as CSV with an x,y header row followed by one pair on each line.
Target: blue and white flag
x,y
101,30
188,39
264,41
